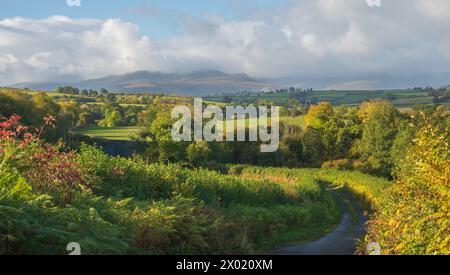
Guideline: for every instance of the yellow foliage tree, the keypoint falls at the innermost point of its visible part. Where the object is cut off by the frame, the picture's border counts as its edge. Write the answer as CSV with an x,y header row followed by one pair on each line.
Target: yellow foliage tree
x,y
417,220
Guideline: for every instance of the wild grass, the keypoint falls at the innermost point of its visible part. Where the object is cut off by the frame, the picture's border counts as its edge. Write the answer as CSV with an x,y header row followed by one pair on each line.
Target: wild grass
x,y
132,207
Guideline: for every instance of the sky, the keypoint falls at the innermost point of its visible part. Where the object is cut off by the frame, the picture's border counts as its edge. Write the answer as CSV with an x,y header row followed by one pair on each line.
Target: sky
x,y
156,18
348,40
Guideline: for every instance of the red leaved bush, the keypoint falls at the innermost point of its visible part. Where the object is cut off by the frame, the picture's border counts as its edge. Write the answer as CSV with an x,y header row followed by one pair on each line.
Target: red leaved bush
x,y
48,169
53,172
11,130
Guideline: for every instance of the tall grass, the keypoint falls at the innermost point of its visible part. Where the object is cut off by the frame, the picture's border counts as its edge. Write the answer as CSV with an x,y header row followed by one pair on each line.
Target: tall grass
x,y
373,191
136,208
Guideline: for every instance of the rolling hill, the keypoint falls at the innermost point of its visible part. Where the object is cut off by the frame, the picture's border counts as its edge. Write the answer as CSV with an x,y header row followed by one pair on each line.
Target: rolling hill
x,y
195,83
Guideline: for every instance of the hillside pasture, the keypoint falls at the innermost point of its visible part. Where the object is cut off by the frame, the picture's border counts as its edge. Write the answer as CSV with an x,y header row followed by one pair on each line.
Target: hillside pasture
x,y
114,133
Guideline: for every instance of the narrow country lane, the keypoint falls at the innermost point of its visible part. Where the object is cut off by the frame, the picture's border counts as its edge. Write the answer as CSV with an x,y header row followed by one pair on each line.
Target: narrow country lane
x,y
342,240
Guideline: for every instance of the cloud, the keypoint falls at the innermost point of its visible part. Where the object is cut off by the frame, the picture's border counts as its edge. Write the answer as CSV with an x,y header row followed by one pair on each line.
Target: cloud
x,y
435,9
63,48
318,39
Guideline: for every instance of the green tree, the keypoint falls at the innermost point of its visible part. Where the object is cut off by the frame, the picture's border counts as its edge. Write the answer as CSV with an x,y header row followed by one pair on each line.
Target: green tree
x,y
160,128
198,153
68,115
111,98
93,93
112,118
319,114
338,129
380,127
85,118
113,115
403,141
313,149
45,105
59,90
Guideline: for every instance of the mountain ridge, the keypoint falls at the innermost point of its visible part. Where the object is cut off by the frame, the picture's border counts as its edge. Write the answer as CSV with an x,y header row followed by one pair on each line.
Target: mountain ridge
x,y
194,83
212,82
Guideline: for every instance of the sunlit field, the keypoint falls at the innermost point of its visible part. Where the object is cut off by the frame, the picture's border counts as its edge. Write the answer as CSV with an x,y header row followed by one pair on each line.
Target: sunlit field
x,y
114,133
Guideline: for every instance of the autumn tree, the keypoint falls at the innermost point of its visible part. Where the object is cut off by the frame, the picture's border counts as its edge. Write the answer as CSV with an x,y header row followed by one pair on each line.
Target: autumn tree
x,y
416,220
319,114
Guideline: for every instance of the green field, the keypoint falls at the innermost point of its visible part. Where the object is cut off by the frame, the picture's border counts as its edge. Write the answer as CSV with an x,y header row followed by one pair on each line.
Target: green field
x,y
297,121
413,101
122,104
115,133
253,123
125,133
30,92
403,98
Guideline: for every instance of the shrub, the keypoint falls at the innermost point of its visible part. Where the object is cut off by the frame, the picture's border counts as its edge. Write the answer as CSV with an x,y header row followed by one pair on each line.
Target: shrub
x,y
113,205
340,164
46,168
198,153
179,226
52,172
417,219
371,190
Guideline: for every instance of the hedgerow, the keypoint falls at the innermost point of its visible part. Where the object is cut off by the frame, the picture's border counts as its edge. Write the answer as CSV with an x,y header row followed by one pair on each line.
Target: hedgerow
x,y
417,218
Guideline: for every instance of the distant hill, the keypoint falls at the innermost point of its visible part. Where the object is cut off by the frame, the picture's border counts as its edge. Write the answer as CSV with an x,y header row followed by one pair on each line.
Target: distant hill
x,y
355,85
195,83
211,82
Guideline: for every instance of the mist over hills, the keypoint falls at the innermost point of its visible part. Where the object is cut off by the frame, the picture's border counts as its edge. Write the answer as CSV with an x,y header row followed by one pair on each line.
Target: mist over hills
x,y
196,83
364,82
209,82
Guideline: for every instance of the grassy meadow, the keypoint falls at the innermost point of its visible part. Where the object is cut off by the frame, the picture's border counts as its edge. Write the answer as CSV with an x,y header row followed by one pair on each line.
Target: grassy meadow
x,y
113,133
402,98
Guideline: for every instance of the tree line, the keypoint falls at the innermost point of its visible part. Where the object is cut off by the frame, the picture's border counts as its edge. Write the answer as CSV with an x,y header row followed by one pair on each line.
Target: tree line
x,y
372,137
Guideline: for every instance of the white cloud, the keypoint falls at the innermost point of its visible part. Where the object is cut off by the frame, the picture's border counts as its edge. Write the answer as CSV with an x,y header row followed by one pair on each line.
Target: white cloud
x,y
325,38
354,41
436,9
6,61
